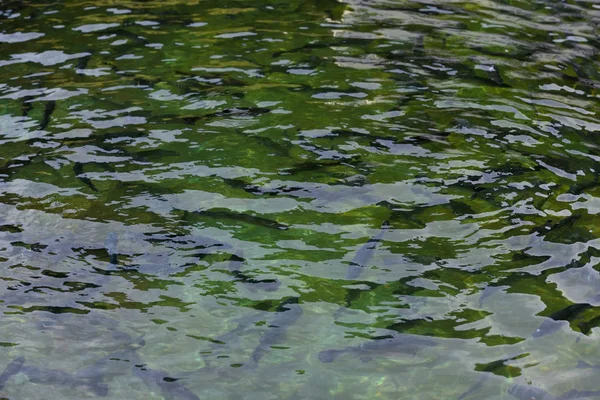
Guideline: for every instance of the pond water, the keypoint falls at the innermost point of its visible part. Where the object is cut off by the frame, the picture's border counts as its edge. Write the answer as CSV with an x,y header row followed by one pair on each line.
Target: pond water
x,y
299,199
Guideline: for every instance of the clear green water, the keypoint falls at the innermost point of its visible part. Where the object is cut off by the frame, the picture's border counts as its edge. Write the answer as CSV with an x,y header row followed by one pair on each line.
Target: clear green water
x,y
225,193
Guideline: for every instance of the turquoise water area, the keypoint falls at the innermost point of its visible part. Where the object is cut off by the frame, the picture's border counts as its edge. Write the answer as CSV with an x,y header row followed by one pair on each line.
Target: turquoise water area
x,y
299,199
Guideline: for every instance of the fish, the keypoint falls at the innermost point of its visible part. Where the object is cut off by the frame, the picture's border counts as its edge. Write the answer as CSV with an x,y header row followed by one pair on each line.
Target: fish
x,y
583,365
46,376
48,111
100,368
286,315
489,291
317,166
302,49
268,285
547,327
239,217
11,369
579,394
244,323
551,324
110,243
492,74
475,387
78,170
248,187
226,342
235,264
517,53
26,106
171,388
103,367
153,155
419,45
529,393
404,344
83,62
543,230
532,393
233,112
236,261
240,111
364,254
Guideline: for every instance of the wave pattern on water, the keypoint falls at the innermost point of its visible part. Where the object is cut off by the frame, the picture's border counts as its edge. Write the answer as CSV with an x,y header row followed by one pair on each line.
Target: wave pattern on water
x,y
357,199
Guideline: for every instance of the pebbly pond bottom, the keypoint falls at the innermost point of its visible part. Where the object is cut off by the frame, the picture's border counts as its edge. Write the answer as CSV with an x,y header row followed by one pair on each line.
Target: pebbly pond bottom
x,y
299,199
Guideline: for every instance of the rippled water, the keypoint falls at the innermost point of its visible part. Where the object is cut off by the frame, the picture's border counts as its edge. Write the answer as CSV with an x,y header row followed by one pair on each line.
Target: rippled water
x,y
299,199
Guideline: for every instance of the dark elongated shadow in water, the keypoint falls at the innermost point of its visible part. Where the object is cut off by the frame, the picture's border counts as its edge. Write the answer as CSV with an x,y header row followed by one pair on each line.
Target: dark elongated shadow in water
x,y
488,291
522,392
48,111
236,261
12,369
226,215
365,253
528,392
78,170
170,387
46,376
399,344
287,314
362,258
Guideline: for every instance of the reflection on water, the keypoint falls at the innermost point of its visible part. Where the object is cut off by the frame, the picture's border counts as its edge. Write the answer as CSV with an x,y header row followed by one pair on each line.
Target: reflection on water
x,y
303,199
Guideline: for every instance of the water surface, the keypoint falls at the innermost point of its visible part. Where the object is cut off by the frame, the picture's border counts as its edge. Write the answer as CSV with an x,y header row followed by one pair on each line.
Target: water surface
x,y
299,199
